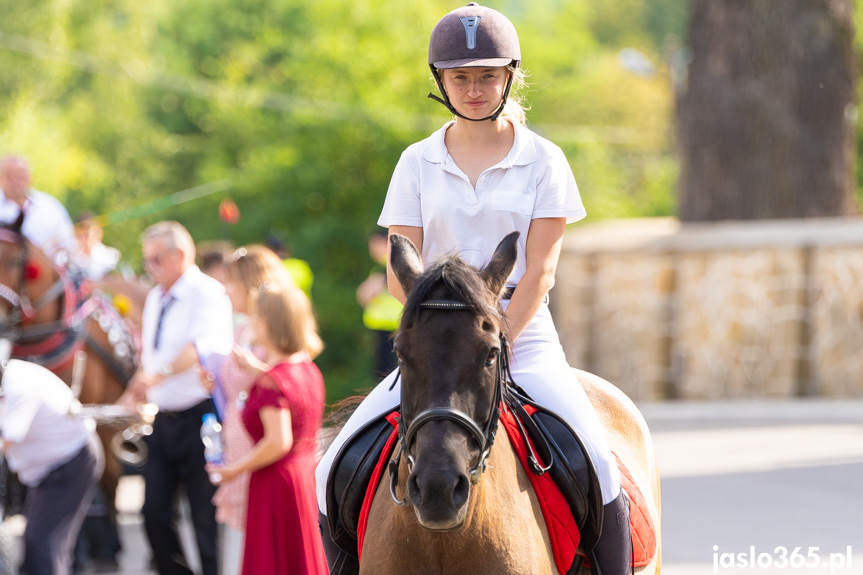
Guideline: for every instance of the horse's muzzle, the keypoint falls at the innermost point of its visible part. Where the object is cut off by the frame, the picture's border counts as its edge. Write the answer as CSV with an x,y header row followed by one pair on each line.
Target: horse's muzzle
x,y
439,490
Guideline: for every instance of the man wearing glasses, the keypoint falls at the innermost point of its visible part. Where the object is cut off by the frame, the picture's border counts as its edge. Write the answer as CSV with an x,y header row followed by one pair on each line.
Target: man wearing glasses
x,y
185,309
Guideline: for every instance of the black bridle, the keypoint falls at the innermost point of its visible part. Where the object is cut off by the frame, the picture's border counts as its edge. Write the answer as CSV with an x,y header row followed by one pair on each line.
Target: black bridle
x,y
18,298
22,307
484,436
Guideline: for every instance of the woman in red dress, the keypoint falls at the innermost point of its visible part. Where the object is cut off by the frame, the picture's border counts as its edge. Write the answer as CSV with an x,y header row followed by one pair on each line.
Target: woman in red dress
x,y
282,415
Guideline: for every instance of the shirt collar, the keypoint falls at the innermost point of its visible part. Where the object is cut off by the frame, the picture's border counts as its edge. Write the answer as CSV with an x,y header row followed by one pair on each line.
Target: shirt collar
x,y
523,150
435,150
28,201
181,288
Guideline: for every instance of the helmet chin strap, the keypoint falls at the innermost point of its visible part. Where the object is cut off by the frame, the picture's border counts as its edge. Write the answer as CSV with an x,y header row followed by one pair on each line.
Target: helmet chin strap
x,y
445,100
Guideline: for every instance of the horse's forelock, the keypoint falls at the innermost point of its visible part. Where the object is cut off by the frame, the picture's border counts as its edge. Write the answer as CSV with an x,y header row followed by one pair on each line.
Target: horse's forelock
x,y
461,282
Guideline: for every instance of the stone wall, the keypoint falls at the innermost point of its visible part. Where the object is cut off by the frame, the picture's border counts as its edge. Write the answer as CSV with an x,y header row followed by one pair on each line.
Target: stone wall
x,y
726,310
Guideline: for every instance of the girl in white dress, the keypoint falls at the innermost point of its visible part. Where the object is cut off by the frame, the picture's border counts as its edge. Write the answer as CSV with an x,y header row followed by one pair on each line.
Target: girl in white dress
x,y
475,180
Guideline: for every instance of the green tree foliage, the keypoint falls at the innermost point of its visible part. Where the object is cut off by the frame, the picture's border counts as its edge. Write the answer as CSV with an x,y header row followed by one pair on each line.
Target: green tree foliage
x,y
303,108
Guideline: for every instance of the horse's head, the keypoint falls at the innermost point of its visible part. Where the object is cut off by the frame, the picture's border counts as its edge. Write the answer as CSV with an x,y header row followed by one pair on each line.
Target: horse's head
x,y
449,347
25,272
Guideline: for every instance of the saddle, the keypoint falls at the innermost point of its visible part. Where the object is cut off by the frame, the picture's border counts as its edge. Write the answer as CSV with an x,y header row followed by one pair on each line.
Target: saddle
x,y
554,448
549,445
349,480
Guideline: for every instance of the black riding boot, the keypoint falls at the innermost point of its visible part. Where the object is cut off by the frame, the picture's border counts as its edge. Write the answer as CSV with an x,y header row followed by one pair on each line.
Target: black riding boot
x,y
613,552
339,561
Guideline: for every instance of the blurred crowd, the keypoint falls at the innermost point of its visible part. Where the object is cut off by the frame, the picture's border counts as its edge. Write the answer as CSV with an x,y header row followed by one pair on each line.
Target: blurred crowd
x,y
224,331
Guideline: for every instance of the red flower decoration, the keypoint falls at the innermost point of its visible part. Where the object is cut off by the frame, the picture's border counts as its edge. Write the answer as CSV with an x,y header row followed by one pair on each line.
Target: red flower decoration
x,y
31,271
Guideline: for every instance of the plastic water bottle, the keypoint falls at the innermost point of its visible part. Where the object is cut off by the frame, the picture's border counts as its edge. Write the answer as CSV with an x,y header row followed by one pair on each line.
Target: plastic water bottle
x,y
211,436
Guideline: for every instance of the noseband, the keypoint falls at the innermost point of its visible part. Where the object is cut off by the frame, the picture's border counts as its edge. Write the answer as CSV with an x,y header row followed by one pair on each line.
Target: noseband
x,y
483,436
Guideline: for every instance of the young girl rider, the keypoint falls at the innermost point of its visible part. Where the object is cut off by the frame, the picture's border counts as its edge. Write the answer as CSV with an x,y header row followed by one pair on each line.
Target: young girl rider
x,y
478,178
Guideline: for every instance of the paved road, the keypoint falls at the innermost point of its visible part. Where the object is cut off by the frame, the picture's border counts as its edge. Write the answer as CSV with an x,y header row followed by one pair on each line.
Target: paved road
x,y
737,477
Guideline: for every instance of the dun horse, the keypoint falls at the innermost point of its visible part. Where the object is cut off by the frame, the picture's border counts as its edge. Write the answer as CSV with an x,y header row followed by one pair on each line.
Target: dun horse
x,y
452,525
47,319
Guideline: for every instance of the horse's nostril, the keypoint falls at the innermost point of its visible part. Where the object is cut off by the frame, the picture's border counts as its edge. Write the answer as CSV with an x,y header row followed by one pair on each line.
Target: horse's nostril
x,y
451,492
460,492
414,492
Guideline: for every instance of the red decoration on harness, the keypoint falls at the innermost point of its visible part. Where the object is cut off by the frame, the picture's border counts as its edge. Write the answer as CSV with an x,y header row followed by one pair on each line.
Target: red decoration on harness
x,y
31,271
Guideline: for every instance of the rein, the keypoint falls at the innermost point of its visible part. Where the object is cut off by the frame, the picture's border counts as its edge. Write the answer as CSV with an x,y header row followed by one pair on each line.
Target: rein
x,y
484,436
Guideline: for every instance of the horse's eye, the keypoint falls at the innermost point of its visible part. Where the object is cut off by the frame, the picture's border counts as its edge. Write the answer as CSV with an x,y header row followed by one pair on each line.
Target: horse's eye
x,y
492,357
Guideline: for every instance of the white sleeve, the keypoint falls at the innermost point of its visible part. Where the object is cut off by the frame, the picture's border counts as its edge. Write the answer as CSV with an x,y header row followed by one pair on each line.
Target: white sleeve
x,y
212,326
65,228
61,229
556,191
403,206
19,410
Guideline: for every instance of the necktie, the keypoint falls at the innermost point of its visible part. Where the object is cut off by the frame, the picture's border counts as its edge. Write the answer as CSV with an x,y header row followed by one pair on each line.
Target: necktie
x,y
167,301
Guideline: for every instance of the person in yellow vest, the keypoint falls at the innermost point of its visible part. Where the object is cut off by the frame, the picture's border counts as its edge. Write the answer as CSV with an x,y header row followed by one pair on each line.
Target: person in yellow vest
x,y
299,270
381,311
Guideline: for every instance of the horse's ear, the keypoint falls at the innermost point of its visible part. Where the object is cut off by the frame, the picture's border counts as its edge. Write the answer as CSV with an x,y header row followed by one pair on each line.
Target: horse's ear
x,y
405,261
502,262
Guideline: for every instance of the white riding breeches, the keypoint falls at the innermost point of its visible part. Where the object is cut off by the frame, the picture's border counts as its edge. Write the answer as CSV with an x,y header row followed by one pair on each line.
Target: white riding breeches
x,y
538,366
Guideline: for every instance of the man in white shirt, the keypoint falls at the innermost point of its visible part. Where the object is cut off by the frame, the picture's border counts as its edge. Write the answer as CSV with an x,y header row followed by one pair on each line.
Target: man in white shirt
x,y
46,222
57,457
186,309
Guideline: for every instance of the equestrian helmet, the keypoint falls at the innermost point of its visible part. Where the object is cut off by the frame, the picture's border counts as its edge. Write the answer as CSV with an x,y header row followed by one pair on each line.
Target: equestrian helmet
x,y
473,36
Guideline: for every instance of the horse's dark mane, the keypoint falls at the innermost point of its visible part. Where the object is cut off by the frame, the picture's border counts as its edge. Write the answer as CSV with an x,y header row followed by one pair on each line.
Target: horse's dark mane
x,y
460,282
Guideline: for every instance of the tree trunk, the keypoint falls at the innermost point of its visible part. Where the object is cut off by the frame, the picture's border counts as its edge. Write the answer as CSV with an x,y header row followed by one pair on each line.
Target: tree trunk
x,y
766,125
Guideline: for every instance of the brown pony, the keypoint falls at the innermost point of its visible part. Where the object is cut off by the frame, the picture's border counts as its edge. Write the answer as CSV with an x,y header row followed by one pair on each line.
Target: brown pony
x,y
454,517
48,317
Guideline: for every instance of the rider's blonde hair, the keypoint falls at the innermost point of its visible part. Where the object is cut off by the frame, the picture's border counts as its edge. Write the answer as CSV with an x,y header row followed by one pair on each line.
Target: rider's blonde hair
x,y
516,106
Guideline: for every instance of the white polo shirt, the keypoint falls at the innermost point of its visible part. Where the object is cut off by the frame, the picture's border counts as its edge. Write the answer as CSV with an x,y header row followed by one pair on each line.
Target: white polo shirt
x,y
34,417
201,313
46,224
428,190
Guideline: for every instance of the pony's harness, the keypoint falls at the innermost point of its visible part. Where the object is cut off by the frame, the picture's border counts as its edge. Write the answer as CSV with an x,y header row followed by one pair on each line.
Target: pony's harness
x,y
483,436
53,344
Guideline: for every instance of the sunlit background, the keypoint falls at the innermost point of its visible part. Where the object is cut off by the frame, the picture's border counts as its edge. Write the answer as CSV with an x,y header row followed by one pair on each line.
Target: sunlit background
x,y
714,143
298,111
